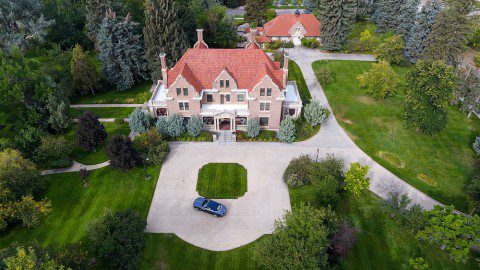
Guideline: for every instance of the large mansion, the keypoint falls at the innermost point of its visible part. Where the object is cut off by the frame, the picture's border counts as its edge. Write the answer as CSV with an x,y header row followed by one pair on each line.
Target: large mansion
x,y
226,87
289,27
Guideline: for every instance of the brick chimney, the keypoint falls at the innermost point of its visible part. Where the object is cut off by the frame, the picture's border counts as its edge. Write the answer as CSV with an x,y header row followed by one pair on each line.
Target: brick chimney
x,y
163,60
199,35
286,57
200,44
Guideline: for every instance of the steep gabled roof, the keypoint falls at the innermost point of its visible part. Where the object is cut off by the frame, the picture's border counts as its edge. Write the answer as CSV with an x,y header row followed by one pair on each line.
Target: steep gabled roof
x,y
280,25
202,67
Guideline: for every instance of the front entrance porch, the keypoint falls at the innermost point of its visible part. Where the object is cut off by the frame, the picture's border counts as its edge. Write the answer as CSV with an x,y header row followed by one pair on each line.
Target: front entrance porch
x,y
224,124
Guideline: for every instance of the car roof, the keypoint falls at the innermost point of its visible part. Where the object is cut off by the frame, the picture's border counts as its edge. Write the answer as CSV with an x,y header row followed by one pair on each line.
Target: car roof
x,y
213,204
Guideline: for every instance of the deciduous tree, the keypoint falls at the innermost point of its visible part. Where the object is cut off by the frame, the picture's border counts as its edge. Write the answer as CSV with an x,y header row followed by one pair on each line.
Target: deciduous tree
x,y
95,11
380,81
391,50
255,11
430,86
54,152
90,132
85,76
138,121
356,179
121,153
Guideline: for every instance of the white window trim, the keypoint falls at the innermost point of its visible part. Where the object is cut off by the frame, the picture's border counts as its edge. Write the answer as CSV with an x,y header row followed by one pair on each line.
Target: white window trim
x,y
265,102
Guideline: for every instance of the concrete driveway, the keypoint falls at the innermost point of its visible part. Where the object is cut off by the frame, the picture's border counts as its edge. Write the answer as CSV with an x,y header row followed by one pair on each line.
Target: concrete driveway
x,y
249,217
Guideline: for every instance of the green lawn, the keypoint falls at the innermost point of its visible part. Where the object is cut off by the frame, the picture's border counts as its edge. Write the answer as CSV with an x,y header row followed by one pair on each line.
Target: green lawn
x,y
73,207
110,112
222,181
99,156
136,95
446,159
167,251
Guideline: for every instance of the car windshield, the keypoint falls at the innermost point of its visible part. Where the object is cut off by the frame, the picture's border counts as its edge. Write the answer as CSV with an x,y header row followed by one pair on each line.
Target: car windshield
x,y
214,206
205,203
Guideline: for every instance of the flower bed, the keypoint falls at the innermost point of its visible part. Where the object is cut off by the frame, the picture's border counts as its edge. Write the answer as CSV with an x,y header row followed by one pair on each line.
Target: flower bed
x,y
264,136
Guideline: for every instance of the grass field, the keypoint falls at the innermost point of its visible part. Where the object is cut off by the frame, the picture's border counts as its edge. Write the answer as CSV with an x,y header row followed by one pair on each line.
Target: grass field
x,y
99,156
136,95
73,207
445,159
110,112
222,181
167,251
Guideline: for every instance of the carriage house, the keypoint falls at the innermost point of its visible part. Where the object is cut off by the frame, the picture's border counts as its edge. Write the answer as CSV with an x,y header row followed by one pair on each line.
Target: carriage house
x,y
226,87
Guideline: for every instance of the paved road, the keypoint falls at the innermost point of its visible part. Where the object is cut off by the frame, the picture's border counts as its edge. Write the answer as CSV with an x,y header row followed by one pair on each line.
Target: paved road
x,y
267,197
241,11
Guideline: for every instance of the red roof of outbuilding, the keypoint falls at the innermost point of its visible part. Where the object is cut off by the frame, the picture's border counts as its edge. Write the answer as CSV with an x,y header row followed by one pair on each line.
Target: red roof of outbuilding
x,y
247,67
280,25
263,39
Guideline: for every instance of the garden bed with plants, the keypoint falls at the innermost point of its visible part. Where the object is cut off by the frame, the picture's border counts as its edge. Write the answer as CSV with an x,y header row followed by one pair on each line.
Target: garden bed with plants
x,y
263,136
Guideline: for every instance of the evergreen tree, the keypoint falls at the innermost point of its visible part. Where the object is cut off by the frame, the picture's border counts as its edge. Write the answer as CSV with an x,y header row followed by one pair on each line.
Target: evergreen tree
x,y
121,153
195,126
286,132
337,17
85,76
255,11
187,18
395,15
95,11
138,121
420,30
59,111
430,88
220,30
468,92
449,35
253,128
163,34
310,5
121,52
22,23
90,132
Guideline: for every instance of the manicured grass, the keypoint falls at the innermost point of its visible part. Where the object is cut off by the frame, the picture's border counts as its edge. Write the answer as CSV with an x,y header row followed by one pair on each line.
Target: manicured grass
x,y
99,156
74,207
110,112
222,181
377,127
136,95
166,251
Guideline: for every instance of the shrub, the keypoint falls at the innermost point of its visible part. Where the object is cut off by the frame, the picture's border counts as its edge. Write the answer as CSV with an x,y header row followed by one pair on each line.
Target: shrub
x,y
286,132
138,121
152,146
118,239
367,41
314,113
274,45
298,170
118,120
324,75
418,263
310,43
287,44
28,140
253,128
90,132
391,50
30,212
279,56
327,190
5,143
54,152
121,153
477,59
175,126
342,241
195,126
162,126
327,178
380,81
330,165
473,191
476,145
356,180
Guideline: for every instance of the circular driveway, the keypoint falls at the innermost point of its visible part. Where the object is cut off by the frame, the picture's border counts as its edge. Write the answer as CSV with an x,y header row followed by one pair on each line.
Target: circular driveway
x,y
248,217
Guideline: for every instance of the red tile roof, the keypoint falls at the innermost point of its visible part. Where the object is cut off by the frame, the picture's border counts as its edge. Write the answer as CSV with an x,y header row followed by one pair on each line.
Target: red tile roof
x,y
263,39
202,67
280,25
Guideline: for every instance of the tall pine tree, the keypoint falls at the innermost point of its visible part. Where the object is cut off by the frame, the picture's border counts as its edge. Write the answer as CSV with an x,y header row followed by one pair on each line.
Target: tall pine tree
x,y
449,35
256,11
418,34
310,6
337,17
395,15
163,34
121,52
95,11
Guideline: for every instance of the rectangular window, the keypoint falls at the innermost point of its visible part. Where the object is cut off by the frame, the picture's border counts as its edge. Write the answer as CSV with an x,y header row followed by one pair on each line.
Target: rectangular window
x,y
262,92
264,106
227,97
263,121
240,97
209,98
183,106
269,92
221,83
227,83
179,91
185,91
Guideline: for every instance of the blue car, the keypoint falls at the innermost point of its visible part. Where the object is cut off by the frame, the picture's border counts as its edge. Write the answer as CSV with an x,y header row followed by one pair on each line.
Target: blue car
x,y
210,206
